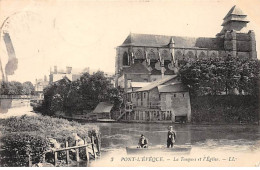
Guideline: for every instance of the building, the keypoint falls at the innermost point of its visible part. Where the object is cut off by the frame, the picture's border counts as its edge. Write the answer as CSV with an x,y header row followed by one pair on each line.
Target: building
x,y
146,57
56,74
164,100
155,59
102,111
40,85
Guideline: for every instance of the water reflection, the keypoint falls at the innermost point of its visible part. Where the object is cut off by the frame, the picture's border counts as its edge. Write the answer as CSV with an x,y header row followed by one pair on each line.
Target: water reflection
x,y
15,107
212,140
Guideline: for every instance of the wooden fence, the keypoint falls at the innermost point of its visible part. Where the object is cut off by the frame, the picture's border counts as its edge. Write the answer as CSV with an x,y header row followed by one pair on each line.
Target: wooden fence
x,y
95,151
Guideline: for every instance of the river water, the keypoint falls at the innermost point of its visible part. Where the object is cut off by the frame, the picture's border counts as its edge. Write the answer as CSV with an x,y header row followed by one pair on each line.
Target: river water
x,y
211,145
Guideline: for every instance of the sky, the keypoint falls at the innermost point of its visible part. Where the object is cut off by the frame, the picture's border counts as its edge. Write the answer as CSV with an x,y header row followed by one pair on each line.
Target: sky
x,y
81,33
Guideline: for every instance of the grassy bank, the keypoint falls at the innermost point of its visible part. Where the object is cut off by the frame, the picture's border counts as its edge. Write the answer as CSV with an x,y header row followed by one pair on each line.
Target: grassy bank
x,y
29,134
225,109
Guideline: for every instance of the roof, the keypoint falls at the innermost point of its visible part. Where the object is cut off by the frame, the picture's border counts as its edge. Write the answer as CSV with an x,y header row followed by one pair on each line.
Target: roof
x,y
235,10
103,107
235,14
139,84
136,68
156,83
175,87
151,40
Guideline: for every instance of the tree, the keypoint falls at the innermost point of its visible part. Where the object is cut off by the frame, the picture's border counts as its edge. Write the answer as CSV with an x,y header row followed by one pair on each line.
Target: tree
x,y
216,76
83,94
28,88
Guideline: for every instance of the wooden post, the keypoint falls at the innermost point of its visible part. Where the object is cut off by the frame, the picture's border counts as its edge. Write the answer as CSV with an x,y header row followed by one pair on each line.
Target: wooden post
x,y
93,147
43,158
99,145
30,159
67,152
55,158
87,154
129,117
77,152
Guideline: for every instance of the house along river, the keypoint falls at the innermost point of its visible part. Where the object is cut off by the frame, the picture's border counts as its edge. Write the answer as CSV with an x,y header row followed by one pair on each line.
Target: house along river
x,y
211,145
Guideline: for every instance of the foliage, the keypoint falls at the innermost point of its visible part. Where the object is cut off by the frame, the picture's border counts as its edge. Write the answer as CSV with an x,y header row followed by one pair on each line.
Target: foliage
x,y
28,88
16,88
220,76
30,134
83,94
225,109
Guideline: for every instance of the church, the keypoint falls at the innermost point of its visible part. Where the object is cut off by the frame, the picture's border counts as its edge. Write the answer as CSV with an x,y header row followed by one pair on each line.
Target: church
x,y
146,59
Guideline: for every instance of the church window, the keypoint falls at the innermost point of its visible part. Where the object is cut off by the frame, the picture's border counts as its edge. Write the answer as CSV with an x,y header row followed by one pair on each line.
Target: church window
x,y
178,55
139,54
151,54
202,56
125,59
165,55
191,56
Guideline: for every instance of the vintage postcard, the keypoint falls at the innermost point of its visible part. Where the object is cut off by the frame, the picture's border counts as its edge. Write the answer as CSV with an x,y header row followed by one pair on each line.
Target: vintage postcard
x,y
129,83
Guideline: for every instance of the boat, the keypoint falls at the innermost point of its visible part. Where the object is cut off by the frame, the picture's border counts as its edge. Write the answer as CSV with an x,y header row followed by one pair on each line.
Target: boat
x,y
156,149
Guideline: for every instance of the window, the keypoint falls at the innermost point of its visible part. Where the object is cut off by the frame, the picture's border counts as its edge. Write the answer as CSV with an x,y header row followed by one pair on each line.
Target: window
x,y
183,94
144,95
125,59
174,95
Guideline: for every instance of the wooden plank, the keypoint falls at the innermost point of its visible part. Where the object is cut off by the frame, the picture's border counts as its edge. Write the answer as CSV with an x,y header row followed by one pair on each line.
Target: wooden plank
x,y
87,154
55,158
77,152
73,147
67,152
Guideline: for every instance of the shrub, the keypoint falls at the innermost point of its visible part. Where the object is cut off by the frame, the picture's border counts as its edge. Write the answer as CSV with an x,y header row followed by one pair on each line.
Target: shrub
x,y
224,109
28,134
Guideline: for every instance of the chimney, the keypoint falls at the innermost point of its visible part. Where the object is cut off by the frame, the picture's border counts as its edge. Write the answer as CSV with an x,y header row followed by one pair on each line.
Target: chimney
x,y
45,78
55,69
68,70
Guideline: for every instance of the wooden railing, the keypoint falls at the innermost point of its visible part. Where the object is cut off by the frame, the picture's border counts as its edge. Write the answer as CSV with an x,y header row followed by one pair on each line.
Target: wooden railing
x,y
95,148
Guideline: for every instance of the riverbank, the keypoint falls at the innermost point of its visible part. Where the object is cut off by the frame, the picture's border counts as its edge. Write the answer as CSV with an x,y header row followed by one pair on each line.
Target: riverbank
x,y
32,134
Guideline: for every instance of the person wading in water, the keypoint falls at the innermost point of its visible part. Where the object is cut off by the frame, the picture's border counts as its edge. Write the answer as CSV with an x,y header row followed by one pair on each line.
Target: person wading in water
x,y
171,136
143,142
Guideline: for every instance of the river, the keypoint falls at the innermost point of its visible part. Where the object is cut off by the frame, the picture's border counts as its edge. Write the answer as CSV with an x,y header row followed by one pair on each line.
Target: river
x,y
211,145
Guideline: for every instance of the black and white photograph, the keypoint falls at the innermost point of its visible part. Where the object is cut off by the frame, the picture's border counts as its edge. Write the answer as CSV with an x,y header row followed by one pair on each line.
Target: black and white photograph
x,y
129,83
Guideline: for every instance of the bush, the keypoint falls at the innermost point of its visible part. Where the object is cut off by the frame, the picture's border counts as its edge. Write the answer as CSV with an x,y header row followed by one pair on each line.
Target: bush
x,y
28,134
224,109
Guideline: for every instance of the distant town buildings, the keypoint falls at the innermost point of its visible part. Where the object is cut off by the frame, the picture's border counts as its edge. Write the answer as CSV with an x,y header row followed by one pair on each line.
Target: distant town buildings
x,y
144,58
56,74
40,84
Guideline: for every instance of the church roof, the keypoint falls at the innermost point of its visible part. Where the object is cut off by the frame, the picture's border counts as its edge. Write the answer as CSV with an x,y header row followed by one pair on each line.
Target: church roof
x,y
136,68
235,10
235,14
150,40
